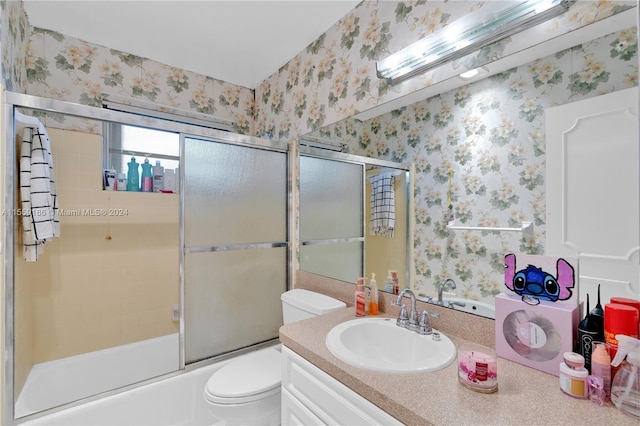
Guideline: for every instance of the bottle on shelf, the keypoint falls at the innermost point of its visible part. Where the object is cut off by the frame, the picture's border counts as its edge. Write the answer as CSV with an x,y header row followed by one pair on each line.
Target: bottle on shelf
x,y
360,299
388,283
121,182
133,175
147,176
158,177
169,180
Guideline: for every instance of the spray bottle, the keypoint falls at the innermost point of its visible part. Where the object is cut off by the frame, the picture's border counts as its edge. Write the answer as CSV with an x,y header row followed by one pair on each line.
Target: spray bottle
x,y
373,296
625,389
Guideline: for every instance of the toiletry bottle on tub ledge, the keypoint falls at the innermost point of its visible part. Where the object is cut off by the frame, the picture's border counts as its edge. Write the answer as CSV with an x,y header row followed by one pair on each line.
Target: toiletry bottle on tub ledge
x,y
361,298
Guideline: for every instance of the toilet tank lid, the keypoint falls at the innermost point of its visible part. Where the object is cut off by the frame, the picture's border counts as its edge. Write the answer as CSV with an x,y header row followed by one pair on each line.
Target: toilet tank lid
x,y
312,302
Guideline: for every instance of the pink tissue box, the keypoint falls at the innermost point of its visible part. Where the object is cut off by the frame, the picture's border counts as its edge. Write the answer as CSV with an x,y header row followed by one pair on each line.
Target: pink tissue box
x,y
535,335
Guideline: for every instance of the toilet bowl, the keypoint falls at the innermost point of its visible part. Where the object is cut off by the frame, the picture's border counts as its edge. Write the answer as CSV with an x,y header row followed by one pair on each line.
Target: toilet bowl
x,y
246,390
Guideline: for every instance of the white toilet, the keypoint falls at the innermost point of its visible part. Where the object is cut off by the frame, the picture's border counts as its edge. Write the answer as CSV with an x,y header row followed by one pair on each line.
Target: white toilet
x,y
247,389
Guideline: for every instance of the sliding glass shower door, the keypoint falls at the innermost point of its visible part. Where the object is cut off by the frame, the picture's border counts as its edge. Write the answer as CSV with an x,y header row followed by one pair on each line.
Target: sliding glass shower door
x,y
235,246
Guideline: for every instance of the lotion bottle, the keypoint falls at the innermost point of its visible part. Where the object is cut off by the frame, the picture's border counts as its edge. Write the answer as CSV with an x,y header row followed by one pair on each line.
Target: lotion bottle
x,y
601,366
147,176
373,295
360,299
158,177
133,175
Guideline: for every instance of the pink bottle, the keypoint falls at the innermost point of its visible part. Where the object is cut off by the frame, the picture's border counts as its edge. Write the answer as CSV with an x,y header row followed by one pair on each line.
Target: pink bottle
x,y
601,366
361,298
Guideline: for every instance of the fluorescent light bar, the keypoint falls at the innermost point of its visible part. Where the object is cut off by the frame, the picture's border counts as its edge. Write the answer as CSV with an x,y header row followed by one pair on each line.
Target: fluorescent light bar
x,y
494,21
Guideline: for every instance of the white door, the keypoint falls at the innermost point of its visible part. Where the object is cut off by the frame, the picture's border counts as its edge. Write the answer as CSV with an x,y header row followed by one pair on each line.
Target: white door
x,y
593,206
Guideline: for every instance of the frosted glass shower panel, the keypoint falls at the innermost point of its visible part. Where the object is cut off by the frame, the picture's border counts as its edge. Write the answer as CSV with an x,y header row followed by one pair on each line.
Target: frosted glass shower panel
x,y
342,261
234,299
331,197
233,194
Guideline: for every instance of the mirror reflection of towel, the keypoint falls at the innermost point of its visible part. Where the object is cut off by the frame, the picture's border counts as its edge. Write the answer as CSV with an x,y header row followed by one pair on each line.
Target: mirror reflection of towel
x,y
383,212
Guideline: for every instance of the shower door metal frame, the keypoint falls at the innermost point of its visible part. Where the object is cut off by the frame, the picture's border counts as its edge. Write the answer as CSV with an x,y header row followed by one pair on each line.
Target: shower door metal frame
x,y
407,168
14,100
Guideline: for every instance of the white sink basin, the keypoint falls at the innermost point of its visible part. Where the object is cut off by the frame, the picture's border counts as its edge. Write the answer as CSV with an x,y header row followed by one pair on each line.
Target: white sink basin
x,y
379,344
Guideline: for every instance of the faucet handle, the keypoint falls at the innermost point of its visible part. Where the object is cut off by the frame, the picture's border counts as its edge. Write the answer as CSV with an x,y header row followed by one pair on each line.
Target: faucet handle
x,y
403,317
423,324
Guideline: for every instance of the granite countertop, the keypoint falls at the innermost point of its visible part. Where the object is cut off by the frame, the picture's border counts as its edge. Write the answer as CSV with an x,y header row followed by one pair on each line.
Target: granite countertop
x,y
525,397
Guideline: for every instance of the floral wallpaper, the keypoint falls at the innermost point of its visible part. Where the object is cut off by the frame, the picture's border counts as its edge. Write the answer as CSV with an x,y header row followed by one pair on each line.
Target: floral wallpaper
x,y
51,65
73,70
490,136
14,37
335,76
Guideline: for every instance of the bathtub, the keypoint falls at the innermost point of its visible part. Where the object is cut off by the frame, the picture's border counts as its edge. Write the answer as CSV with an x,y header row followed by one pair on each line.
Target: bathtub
x,y
58,382
176,400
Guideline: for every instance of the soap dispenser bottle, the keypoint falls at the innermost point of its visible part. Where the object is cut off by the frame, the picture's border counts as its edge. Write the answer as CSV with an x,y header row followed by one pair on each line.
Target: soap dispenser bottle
x,y
147,176
373,295
625,388
133,175
360,299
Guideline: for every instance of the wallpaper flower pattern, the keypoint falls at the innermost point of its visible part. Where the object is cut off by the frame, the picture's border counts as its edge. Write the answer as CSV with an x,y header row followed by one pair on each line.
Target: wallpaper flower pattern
x,y
51,65
335,76
490,136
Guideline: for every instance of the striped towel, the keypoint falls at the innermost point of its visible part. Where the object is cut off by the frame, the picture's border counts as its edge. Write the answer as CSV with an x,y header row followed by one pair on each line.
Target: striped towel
x,y
39,201
383,211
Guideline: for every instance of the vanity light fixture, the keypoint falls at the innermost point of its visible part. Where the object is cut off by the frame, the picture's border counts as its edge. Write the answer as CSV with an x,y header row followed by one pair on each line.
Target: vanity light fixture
x,y
473,73
492,22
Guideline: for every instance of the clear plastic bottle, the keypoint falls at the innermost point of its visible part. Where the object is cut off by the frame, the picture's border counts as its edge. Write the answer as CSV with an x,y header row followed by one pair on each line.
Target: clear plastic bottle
x,y
388,283
147,176
133,175
625,388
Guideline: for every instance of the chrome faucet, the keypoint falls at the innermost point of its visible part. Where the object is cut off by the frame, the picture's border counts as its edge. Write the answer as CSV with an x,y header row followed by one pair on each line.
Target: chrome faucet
x,y
405,320
441,289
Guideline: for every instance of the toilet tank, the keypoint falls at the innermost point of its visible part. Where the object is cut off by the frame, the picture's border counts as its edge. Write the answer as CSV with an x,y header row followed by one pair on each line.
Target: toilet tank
x,y
299,304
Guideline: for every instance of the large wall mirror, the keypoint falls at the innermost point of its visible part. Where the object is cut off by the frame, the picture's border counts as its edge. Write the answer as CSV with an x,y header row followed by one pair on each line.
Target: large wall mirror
x,y
355,217
478,145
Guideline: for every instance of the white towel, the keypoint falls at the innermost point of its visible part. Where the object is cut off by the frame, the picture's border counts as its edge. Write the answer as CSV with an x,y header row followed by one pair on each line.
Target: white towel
x,y
382,219
39,200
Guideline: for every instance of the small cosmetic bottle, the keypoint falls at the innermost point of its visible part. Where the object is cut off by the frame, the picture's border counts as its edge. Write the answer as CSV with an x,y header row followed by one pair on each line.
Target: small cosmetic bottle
x,y
573,376
360,297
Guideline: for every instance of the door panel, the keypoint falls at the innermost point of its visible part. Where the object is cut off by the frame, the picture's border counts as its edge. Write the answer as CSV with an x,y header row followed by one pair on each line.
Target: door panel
x,y
593,206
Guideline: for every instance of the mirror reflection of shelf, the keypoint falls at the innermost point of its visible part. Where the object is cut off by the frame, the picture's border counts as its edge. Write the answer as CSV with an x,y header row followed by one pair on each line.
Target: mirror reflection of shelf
x,y
526,228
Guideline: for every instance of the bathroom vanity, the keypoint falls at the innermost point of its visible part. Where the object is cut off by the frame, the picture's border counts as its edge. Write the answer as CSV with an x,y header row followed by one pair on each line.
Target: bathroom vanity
x,y
321,382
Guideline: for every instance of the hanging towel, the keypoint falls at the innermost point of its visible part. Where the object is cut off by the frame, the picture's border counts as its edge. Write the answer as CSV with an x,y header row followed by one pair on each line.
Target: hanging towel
x,y
39,200
383,212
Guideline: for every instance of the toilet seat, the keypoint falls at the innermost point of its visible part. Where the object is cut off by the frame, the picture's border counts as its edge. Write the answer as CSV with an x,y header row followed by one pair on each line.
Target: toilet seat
x,y
248,378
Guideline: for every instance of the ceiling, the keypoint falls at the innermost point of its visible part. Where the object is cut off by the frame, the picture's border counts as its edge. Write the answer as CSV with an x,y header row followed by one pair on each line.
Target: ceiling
x,y
241,42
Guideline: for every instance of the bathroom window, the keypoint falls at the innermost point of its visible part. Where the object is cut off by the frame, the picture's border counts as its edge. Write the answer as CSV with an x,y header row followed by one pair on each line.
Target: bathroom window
x,y
124,141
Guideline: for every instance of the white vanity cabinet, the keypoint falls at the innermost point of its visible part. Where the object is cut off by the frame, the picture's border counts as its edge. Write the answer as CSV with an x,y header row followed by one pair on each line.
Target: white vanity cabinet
x,y
312,397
